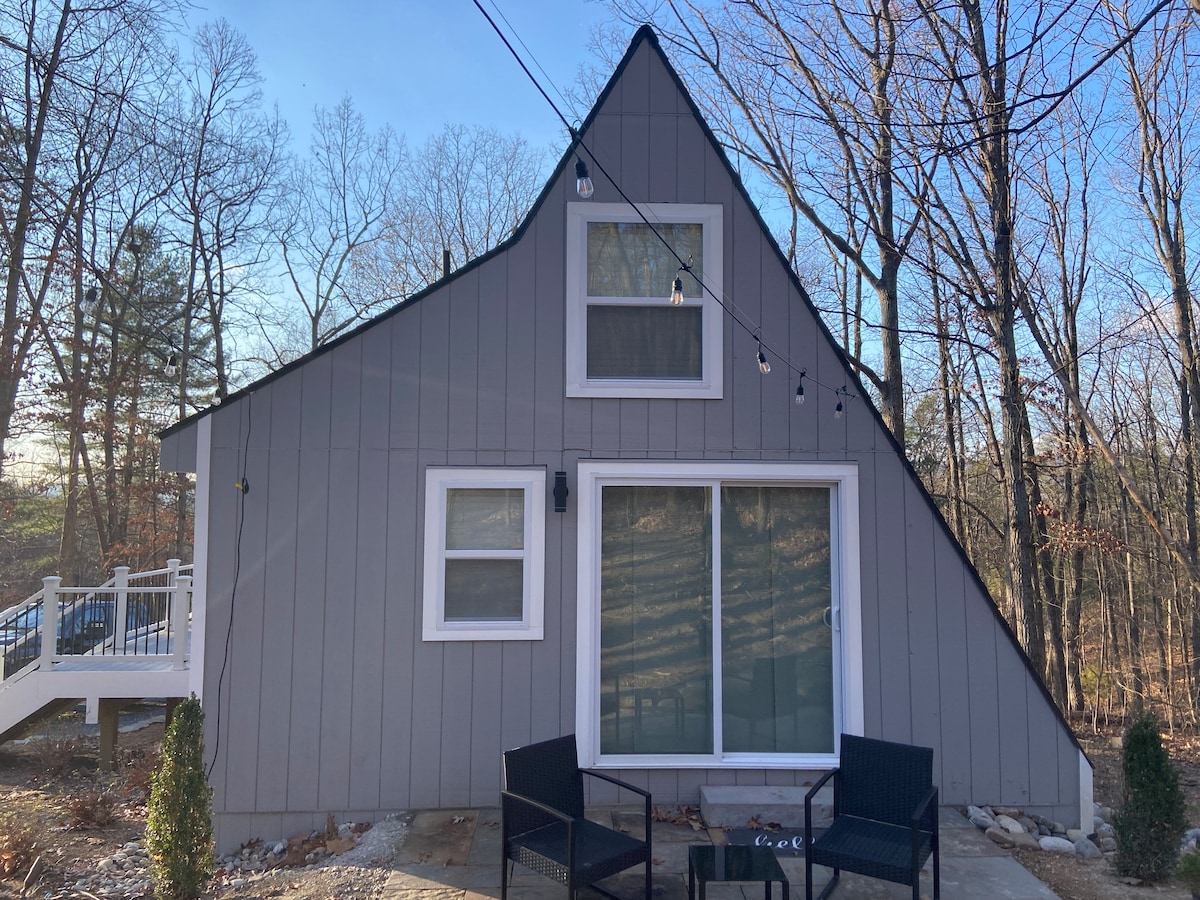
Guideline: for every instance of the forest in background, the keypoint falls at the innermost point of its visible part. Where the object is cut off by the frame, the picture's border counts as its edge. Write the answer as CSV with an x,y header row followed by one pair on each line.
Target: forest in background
x,y
990,204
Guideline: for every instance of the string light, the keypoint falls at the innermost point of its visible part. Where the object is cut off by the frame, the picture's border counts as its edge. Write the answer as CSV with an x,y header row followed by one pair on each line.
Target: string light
x,y
676,298
677,284
583,181
677,291
89,300
172,365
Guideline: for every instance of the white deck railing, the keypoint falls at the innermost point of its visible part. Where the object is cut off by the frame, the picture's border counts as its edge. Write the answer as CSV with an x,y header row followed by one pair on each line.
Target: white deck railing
x,y
138,617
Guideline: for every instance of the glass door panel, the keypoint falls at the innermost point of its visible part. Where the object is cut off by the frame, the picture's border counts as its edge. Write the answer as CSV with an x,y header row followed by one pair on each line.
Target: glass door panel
x,y
776,643
656,639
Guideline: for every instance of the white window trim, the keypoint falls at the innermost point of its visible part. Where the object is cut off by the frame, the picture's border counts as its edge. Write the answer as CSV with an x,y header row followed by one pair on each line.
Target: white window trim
x,y
842,479
437,482
710,385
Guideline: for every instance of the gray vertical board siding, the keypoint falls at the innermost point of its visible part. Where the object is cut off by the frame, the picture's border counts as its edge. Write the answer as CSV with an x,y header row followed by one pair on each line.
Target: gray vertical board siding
x,y
635,426
1045,780
1068,765
454,760
226,469
663,171
275,692
428,702
315,411
778,388
287,400
744,380
634,93
924,674
376,389
516,712
606,426
433,416
245,638
957,750
691,149
308,630
177,452
487,696
662,425
401,625
524,279
662,783
892,619
718,417
1012,705
463,353
370,607
546,321
405,417
635,153
345,393
492,372
983,683
869,594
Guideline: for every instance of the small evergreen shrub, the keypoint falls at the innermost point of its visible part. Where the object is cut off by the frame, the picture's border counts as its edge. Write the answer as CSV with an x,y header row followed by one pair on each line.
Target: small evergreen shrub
x,y
179,834
1153,816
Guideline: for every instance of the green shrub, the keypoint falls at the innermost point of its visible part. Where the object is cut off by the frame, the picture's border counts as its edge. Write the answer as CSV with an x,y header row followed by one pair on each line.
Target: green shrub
x,y
1152,818
179,833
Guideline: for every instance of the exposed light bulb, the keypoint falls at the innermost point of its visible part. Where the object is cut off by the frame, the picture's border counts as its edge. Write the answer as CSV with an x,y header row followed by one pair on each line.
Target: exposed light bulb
x,y
677,291
89,300
763,365
172,365
800,394
837,410
583,181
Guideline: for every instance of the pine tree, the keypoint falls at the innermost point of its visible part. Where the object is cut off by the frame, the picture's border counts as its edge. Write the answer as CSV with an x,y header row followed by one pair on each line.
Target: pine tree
x,y
1153,816
179,833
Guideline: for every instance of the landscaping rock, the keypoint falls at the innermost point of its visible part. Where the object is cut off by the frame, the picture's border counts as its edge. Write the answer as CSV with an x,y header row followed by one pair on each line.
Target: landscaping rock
x,y
1056,845
1085,848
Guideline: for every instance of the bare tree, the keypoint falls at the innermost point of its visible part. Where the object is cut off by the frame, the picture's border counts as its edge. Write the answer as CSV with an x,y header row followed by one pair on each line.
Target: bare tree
x,y
337,204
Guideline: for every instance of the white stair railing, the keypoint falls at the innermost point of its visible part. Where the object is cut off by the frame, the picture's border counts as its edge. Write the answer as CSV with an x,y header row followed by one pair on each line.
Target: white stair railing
x,y
161,599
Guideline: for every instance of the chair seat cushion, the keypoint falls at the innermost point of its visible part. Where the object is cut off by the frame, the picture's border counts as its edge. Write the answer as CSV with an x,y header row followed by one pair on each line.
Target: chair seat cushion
x,y
599,851
868,847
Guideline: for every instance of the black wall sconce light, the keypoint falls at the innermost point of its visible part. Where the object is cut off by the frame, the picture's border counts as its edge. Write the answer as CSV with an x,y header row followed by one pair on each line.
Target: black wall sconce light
x,y
560,492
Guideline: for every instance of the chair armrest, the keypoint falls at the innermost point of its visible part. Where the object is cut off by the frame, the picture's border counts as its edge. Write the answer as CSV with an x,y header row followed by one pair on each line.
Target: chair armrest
x,y
617,781
812,792
533,804
629,787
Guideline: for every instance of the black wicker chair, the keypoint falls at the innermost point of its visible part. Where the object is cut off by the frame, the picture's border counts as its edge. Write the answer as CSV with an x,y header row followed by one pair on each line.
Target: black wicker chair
x,y
885,813
544,827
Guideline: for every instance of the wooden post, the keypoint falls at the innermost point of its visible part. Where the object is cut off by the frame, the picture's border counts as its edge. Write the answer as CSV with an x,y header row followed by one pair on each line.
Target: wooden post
x,y
50,585
120,620
180,603
110,717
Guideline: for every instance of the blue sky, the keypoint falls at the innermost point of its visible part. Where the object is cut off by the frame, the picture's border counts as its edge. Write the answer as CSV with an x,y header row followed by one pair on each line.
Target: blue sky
x,y
413,64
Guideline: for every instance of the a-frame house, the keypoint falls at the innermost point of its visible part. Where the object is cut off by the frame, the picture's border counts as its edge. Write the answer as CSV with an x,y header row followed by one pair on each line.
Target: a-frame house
x,y
539,498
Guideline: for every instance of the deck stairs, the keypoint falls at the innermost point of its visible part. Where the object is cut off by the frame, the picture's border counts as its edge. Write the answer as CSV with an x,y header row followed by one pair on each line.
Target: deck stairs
x,y
126,639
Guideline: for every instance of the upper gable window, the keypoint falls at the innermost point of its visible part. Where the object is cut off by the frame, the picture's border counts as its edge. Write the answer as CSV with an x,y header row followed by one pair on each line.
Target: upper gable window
x,y
624,338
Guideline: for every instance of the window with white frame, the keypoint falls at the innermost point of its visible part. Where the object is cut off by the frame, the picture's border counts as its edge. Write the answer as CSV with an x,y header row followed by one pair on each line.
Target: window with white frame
x,y
484,554
624,336
719,615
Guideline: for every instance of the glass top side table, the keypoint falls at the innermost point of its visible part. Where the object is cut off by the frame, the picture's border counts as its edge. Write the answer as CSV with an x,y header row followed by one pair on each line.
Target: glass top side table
x,y
708,862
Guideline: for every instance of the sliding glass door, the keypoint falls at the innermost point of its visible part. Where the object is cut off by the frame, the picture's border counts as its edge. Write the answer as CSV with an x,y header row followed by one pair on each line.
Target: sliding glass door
x,y
715,619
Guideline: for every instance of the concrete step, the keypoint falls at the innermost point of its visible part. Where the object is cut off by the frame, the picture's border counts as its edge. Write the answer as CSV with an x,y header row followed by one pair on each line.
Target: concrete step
x,y
732,806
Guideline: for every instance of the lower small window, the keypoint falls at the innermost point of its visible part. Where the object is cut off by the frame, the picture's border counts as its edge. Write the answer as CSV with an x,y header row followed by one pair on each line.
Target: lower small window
x,y
484,554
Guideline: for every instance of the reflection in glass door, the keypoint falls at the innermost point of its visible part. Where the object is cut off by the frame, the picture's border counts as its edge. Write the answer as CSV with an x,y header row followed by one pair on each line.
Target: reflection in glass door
x,y
771,547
